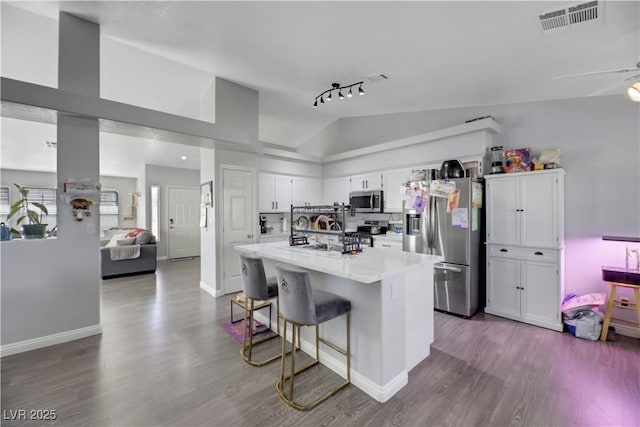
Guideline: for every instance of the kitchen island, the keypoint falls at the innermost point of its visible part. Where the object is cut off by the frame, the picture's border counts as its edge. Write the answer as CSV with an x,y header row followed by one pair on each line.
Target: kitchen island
x,y
391,296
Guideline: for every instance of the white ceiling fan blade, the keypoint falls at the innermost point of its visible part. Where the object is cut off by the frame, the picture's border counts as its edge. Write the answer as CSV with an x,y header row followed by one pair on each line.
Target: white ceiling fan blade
x,y
616,87
595,73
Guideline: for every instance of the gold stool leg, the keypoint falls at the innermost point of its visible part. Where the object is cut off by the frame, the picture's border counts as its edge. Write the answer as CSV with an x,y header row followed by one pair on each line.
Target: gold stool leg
x,y
244,330
293,360
636,296
607,315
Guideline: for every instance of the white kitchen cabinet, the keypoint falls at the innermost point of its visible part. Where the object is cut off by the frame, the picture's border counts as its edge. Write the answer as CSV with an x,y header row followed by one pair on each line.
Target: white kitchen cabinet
x,y
525,246
393,181
306,191
370,181
503,293
274,193
315,191
336,190
278,192
526,208
522,289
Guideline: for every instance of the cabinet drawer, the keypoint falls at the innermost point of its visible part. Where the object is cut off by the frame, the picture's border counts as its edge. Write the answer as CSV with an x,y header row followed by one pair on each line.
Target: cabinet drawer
x,y
528,254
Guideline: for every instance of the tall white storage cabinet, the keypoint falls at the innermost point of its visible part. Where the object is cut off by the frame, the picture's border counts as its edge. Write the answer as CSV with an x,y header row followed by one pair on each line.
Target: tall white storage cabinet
x,y
525,246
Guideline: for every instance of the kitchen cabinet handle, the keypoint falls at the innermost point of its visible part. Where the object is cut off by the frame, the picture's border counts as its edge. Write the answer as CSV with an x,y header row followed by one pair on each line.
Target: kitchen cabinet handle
x,y
538,253
367,183
504,250
446,268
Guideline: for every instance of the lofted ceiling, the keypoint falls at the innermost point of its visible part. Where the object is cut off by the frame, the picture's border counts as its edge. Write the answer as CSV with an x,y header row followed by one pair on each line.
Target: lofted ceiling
x,y
436,54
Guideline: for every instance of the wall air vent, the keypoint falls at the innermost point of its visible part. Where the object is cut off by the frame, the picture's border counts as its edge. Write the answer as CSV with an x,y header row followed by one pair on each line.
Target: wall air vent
x,y
564,19
377,78
51,144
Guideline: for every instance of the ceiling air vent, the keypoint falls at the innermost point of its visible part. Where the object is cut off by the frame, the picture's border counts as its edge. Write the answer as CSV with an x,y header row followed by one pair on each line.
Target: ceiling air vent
x,y
51,144
377,78
563,19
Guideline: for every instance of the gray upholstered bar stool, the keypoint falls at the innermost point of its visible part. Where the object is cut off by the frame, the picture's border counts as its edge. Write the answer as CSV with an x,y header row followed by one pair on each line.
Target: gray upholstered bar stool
x,y
256,286
302,306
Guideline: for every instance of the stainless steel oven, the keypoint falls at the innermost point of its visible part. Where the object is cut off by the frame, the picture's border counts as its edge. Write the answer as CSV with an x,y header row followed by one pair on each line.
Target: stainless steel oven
x,y
366,201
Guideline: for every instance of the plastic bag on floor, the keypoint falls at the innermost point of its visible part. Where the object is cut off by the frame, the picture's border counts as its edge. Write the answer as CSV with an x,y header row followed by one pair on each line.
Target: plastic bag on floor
x,y
572,303
585,324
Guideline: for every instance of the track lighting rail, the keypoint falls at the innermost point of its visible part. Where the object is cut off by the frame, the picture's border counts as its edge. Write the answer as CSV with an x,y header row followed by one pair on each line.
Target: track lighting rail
x,y
339,88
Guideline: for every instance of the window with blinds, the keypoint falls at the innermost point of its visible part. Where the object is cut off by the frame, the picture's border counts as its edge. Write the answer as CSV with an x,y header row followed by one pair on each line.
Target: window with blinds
x,y
5,203
109,210
46,196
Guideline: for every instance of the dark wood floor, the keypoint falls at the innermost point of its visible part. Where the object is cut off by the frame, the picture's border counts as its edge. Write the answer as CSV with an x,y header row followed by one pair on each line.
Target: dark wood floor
x,y
163,360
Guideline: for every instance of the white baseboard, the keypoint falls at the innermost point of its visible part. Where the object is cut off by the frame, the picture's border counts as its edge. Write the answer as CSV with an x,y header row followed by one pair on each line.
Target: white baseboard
x,y
46,341
211,291
379,392
162,258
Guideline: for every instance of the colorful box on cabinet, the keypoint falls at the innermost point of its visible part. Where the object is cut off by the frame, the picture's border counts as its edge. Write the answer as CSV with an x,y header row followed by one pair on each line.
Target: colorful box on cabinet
x,y
518,160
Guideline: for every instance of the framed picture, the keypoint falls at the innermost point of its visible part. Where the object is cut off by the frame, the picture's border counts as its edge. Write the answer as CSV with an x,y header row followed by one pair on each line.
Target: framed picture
x,y
206,194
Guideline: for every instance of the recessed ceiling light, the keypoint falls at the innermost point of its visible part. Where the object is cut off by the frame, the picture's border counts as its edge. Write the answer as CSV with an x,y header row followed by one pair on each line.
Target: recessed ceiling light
x,y
183,158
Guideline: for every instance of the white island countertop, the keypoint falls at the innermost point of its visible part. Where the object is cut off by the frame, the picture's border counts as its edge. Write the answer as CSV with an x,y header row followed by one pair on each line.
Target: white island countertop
x,y
369,266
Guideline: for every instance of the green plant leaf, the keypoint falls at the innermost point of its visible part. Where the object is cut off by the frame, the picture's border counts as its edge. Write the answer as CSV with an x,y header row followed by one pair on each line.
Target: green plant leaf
x,y
19,221
17,204
14,231
33,217
14,211
42,207
23,191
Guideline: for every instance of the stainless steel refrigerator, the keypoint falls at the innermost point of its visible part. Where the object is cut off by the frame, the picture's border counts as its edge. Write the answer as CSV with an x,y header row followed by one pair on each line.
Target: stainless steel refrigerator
x,y
454,234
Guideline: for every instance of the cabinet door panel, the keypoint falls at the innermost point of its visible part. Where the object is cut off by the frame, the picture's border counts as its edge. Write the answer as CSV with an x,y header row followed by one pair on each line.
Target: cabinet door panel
x,y
502,219
266,194
336,190
357,183
540,296
298,191
373,181
314,190
538,219
283,193
393,181
503,277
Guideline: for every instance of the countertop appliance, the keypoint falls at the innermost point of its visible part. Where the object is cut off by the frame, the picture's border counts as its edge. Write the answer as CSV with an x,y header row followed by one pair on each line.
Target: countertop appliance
x,y
263,224
455,235
451,169
366,201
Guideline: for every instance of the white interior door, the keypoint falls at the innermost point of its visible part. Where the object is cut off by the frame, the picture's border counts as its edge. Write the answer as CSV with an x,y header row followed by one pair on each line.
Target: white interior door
x,y
238,223
184,230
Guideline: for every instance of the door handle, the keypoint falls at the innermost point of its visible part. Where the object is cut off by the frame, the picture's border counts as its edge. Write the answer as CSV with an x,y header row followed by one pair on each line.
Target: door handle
x,y
366,184
447,268
538,253
503,250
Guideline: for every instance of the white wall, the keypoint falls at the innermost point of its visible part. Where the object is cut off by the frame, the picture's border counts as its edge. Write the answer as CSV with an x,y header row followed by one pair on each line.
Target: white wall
x,y
29,46
52,286
166,177
237,108
208,103
208,234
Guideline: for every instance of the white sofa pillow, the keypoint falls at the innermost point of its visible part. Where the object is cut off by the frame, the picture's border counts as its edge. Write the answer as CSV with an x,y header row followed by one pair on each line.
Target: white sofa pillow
x,y
126,242
114,240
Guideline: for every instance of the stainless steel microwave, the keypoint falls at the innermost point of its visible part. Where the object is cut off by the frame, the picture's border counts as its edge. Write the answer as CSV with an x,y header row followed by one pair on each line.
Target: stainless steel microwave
x,y
366,201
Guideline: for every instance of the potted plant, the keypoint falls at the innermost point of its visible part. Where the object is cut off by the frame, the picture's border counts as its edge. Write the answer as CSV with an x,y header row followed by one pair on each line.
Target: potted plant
x,y
35,229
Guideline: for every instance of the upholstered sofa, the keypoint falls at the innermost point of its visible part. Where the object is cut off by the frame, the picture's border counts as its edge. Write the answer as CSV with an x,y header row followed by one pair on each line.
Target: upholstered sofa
x,y
146,262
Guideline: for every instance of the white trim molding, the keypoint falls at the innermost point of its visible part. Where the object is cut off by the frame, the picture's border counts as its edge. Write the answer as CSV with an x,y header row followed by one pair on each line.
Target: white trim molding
x,y
488,124
210,290
46,341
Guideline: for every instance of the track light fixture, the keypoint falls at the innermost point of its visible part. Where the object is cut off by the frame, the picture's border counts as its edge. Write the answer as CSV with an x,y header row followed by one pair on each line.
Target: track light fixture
x,y
338,87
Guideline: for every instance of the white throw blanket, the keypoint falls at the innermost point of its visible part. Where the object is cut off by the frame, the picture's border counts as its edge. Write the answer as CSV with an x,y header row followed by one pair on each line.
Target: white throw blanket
x,y
119,253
